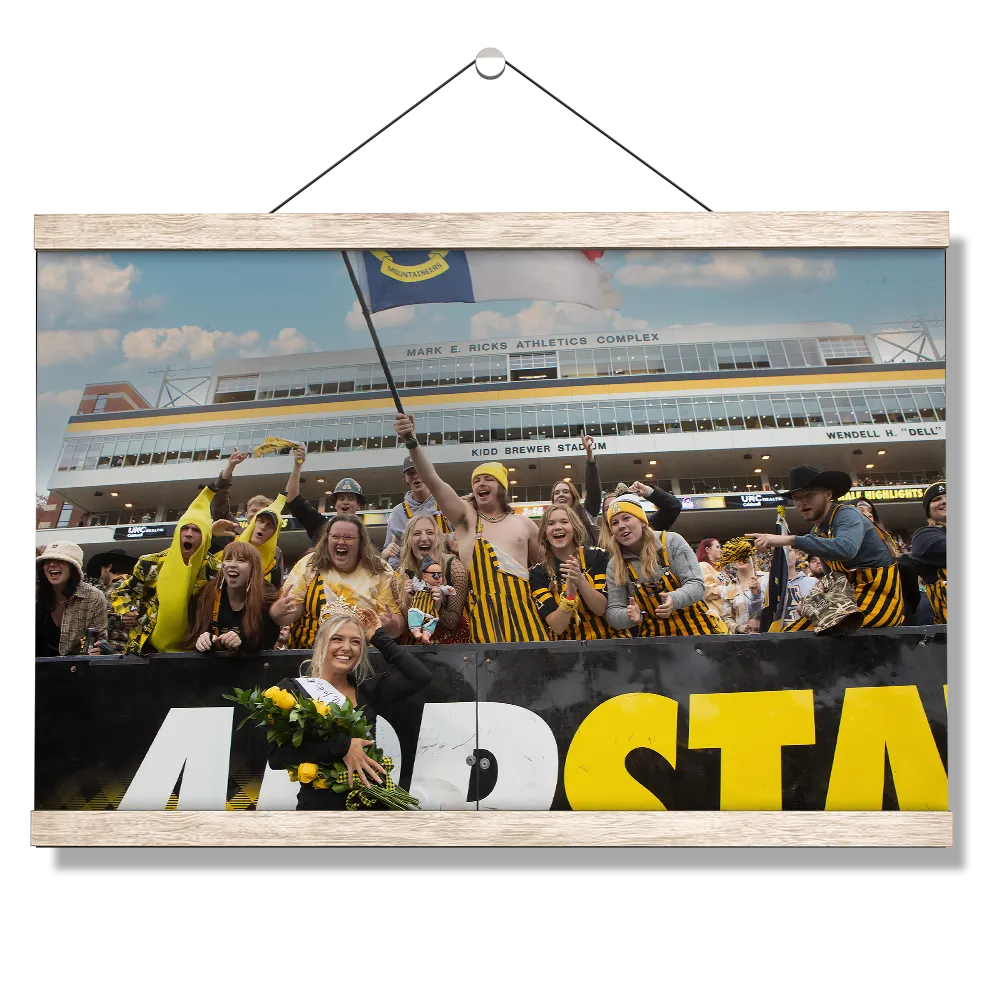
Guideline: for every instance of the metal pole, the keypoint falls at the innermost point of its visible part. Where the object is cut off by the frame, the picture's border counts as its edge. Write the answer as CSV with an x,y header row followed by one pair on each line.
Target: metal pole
x,y
371,330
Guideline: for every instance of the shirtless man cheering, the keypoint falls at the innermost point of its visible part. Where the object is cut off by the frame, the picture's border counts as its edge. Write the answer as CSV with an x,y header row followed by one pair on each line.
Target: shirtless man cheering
x,y
497,546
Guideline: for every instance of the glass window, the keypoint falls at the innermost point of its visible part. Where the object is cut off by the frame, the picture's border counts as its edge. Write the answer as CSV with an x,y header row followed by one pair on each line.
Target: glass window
x,y
563,425
741,354
447,371
585,364
281,383
331,434
758,353
923,401
449,427
619,361
811,352
344,428
132,454
363,378
717,407
464,368
776,354
107,452
706,358
844,350
938,400
724,357
873,403
466,426
893,408
844,408
609,425
656,413
345,378
793,351
689,358
567,364
782,413
734,415
498,423
765,408
146,449
813,409
623,418
672,358
654,360
200,446
592,418
378,382
797,409
214,447
831,416
862,414
910,412
482,424
685,411
434,428
602,361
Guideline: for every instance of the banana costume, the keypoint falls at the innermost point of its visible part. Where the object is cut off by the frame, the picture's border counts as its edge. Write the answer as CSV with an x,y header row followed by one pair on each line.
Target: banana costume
x,y
176,581
266,549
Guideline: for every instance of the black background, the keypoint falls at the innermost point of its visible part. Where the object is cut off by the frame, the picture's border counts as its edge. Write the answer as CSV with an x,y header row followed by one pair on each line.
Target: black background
x,y
234,121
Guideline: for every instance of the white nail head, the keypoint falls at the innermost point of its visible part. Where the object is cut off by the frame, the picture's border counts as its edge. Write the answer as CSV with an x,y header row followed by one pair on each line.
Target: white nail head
x,y
490,63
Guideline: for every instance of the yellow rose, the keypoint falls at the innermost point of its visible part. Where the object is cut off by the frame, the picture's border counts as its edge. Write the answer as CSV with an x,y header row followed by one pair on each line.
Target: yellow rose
x,y
292,776
321,783
271,692
284,699
322,707
306,773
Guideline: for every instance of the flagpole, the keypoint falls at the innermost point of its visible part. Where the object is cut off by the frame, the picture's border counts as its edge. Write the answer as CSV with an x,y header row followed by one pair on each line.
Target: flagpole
x,y
371,330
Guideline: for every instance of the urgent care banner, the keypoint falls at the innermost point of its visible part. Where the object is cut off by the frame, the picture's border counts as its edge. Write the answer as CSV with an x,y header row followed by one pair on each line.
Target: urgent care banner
x,y
792,721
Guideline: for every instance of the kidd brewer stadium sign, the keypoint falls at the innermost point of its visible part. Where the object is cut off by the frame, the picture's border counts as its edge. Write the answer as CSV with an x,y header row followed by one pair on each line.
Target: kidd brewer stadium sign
x,y
793,721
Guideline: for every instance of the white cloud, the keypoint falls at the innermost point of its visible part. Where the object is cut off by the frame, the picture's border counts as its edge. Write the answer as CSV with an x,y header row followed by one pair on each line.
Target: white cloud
x,y
190,342
288,341
57,347
399,316
67,399
722,267
83,288
551,317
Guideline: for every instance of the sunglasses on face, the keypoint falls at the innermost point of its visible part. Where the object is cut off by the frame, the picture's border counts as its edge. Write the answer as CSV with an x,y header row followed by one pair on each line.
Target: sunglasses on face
x,y
434,576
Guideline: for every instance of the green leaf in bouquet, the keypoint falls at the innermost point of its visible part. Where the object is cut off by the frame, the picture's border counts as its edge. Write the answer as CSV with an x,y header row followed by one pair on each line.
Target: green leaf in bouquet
x,y
243,722
297,738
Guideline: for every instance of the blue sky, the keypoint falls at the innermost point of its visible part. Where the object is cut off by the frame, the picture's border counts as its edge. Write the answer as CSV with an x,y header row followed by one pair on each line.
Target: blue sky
x,y
119,316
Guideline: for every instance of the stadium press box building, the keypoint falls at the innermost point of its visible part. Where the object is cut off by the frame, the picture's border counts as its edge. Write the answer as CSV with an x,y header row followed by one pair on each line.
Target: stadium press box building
x,y
718,415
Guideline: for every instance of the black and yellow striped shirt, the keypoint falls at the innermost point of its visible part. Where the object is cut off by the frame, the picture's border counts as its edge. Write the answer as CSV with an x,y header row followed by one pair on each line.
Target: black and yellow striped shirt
x,y
586,625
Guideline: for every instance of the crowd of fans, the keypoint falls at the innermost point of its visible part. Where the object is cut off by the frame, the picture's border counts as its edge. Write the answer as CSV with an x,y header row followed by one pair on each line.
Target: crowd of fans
x,y
463,567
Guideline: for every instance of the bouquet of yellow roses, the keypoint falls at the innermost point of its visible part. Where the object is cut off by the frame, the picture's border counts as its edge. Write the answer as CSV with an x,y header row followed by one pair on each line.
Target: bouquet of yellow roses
x,y
303,720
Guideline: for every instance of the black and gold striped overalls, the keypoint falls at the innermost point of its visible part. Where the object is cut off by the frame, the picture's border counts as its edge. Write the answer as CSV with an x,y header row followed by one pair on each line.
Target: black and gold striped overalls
x,y
878,591
499,606
586,625
695,619
937,596
442,522
302,634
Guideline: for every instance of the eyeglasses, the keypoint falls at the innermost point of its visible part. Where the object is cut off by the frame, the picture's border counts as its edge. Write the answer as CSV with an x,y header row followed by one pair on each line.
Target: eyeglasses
x,y
343,540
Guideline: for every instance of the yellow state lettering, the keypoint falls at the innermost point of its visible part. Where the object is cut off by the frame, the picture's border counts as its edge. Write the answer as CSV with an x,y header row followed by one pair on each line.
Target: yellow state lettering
x,y
751,727
595,775
876,719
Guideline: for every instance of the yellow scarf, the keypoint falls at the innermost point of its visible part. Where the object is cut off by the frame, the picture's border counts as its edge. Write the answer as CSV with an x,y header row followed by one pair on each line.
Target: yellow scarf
x,y
176,580
267,549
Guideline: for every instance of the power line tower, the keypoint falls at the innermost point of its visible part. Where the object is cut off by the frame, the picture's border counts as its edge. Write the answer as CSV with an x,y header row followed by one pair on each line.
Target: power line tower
x,y
917,348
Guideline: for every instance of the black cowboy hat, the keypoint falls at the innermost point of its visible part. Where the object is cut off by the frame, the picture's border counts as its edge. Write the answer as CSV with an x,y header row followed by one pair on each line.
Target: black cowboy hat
x,y
805,477
101,559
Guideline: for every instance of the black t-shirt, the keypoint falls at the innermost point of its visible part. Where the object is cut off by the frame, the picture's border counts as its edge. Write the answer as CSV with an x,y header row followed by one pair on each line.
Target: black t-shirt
x,y
595,565
232,621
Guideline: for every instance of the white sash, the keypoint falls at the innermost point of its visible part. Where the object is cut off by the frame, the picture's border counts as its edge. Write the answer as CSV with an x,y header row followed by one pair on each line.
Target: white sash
x,y
321,690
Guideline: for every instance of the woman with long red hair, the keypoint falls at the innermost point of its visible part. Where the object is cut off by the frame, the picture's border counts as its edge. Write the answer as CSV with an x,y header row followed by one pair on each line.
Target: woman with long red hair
x,y
233,614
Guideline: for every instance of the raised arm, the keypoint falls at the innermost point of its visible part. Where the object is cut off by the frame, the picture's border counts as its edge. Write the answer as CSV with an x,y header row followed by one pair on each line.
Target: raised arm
x,y
292,487
409,676
221,508
591,479
668,507
307,515
449,502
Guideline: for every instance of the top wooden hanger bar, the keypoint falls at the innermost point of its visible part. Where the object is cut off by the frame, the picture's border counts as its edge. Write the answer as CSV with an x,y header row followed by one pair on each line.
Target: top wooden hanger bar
x,y
469,231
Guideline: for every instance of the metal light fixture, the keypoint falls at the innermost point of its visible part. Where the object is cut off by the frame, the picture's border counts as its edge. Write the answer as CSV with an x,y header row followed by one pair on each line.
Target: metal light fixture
x,y
882,451
113,494
758,470
765,457
870,465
